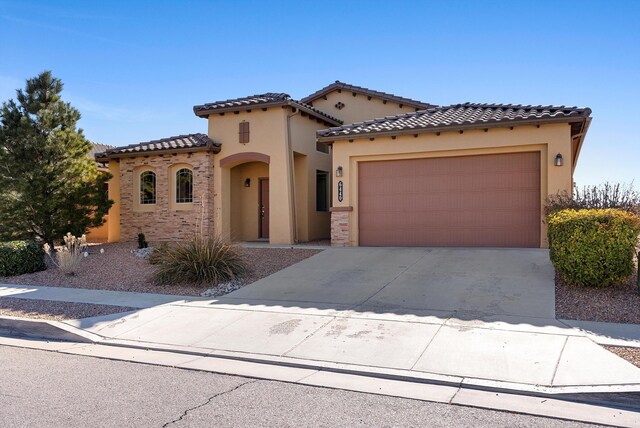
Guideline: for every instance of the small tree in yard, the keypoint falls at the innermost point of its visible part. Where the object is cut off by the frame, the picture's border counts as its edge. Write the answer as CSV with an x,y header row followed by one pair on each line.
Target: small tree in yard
x,y
48,184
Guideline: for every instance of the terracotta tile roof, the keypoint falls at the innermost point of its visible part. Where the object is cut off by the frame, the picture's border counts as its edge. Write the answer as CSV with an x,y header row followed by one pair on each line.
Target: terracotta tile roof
x,y
180,142
98,148
261,100
268,98
365,91
460,116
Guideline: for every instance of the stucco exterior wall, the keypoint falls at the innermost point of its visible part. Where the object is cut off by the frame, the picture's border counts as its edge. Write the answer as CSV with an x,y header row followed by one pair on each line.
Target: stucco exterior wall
x,y
99,234
244,200
549,140
358,108
301,190
312,224
267,136
165,220
113,232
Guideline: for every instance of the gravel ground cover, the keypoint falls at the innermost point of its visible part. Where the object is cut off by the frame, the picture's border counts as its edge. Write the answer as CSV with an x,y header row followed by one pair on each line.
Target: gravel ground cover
x,y
52,310
118,269
630,354
618,304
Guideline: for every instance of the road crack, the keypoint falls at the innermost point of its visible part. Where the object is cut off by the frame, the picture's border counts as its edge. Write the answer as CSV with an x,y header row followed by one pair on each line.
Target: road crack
x,y
209,400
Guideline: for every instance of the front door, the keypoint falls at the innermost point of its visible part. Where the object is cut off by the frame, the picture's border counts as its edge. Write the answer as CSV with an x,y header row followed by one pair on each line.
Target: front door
x,y
263,205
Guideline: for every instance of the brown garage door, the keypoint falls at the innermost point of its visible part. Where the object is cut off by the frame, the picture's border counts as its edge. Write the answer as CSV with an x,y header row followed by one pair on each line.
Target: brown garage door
x,y
469,201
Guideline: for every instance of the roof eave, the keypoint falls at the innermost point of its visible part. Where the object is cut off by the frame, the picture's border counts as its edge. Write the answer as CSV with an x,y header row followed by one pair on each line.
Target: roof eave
x,y
314,113
291,103
583,134
107,156
206,112
332,138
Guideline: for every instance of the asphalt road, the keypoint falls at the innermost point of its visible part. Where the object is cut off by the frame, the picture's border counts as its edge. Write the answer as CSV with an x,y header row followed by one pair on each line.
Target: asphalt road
x,y
46,389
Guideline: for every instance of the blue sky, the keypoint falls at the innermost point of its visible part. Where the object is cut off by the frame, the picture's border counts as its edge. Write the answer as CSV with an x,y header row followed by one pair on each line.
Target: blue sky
x,y
135,69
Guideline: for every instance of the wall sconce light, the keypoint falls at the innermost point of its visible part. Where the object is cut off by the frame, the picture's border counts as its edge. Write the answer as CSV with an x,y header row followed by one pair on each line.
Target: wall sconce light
x,y
339,171
247,182
559,160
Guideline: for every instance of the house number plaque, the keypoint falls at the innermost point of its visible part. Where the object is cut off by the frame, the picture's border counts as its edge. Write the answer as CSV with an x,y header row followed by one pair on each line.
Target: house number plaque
x,y
340,193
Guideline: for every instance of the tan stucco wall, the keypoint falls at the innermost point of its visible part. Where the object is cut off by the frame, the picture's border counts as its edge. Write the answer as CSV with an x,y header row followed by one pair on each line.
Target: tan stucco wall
x,y
267,137
99,234
301,189
316,225
549,140
113,232
291,172
358,108
244,200
164,220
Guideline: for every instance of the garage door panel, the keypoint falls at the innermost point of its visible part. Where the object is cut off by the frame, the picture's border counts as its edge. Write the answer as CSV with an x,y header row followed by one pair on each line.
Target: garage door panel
x,y
452,183
426,202
452,218
489,200
438,237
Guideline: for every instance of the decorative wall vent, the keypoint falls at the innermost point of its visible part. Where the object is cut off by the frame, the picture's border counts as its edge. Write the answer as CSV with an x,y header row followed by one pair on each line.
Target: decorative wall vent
x,y
339,105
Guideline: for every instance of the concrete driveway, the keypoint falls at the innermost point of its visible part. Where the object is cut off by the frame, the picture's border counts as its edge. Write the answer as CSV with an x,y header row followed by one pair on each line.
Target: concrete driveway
x,y
485,315
470,283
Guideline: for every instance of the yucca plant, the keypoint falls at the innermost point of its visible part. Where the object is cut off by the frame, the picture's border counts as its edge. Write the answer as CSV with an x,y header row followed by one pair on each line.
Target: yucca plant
x,y
206,261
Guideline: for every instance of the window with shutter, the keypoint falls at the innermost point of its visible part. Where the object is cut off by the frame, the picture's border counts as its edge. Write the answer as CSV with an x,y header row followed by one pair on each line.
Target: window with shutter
x,y
244,132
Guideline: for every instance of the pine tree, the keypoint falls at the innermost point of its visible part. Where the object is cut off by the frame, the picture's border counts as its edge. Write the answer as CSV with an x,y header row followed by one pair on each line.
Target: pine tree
x,y
48,184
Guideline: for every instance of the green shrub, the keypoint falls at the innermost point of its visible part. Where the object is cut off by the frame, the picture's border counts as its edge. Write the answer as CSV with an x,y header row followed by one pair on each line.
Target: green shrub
x,y
200,260
593,247
18,257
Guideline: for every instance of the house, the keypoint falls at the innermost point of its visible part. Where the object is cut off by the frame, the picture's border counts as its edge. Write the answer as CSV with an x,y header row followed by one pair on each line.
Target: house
x,y
100,233
360,166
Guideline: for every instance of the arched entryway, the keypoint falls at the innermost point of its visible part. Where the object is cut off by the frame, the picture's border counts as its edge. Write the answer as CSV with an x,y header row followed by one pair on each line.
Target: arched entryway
x,y
248,201
250,208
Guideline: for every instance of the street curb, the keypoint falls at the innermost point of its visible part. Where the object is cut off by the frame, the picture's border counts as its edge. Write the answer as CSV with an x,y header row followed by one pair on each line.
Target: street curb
x,y
63,332
44,329
607,409
606,394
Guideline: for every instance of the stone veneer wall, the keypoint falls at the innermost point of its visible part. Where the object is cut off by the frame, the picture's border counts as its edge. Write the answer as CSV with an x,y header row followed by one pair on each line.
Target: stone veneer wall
x,y
162,223
340,229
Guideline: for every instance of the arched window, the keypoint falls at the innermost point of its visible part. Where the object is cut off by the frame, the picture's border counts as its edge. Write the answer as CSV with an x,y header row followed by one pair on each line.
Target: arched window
x,y
147,188
184,186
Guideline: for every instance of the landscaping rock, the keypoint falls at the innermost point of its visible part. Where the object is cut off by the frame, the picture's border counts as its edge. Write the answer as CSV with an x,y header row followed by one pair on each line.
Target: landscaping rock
x,y
143,252
224,288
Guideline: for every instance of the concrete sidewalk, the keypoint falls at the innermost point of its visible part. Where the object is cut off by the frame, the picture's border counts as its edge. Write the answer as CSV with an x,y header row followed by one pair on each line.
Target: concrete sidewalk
x,y
484,361
486,315
532,354
96,297
606,333
438,324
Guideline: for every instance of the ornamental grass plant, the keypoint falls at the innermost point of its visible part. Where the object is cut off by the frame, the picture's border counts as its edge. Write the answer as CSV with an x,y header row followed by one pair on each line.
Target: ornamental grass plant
x,y
204,261
68,257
